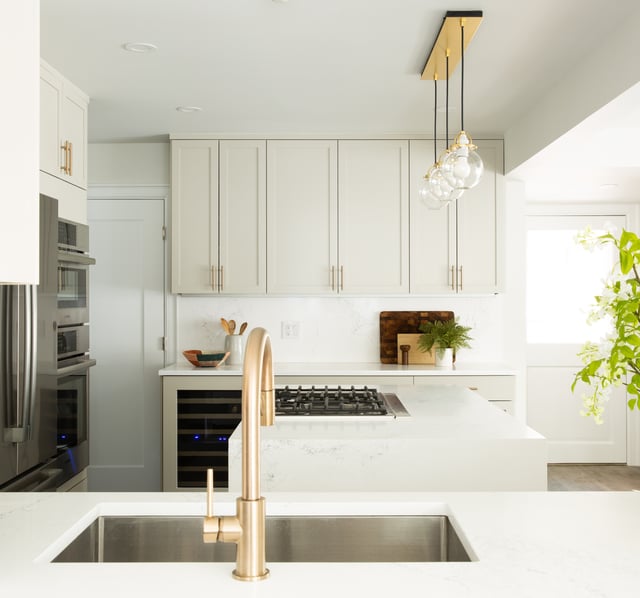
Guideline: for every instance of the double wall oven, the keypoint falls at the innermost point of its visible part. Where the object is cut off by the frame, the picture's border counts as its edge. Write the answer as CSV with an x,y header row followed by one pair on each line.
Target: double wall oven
x,y
73,358
45,363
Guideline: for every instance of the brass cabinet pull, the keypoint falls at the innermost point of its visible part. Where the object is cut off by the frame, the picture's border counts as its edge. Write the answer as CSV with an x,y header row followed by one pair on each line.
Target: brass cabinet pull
x,y
333,278
213,278
65,149
453,278
221,285
342,278
70,165
460,270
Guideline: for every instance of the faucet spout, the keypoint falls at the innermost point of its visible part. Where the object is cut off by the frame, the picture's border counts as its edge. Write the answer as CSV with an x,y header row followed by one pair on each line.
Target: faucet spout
x,y
258,407
247,528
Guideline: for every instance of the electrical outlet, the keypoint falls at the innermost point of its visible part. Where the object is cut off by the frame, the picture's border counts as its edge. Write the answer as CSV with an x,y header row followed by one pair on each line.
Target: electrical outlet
x,y
290,329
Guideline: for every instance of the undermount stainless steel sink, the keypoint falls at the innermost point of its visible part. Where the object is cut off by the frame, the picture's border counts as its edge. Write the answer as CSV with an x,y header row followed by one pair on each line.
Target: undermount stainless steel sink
x,y
289,539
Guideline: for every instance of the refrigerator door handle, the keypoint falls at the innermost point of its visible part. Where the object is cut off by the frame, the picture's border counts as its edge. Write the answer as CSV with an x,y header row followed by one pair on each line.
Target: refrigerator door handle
x,y
19,430
31,336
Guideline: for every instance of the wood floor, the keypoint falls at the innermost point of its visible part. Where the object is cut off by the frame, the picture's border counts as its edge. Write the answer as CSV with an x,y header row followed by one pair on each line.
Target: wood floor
x,y
563,477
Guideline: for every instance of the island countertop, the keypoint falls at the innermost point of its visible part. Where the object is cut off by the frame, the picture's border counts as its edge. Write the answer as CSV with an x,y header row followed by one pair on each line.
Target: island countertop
x,y
452,439
525,544
184,368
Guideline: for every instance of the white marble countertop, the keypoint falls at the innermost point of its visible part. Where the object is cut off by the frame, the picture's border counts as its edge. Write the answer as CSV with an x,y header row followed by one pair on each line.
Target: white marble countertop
x,y
184,368
453,439
538,544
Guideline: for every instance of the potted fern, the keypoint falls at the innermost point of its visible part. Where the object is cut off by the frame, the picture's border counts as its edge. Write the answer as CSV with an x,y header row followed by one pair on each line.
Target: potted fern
x,y
446,336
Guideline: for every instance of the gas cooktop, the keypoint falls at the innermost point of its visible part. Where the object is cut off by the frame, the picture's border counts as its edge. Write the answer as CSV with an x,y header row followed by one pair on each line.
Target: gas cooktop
x,y
337,401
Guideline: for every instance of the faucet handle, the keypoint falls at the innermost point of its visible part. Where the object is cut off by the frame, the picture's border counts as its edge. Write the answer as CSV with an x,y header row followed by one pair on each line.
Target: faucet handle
x,y
211,525
209,492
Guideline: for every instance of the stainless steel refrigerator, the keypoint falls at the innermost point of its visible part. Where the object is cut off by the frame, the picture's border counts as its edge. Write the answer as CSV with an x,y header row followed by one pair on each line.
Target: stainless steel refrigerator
x,y
28,355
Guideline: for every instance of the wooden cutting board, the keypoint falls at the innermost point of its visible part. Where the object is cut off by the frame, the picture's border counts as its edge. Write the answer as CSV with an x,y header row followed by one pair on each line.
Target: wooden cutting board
x,y
393,323
415,355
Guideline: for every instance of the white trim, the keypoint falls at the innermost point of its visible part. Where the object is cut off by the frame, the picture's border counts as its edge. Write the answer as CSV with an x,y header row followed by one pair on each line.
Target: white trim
x,y
128,192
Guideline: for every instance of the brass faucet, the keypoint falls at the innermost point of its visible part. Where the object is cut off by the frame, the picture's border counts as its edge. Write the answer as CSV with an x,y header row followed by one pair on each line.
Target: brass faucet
x,y
247,527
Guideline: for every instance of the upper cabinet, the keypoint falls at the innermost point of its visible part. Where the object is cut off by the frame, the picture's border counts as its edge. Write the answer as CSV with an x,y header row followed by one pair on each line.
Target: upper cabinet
x,y
63,143
373,216
218,216
302,217
330,233
455,249
327,217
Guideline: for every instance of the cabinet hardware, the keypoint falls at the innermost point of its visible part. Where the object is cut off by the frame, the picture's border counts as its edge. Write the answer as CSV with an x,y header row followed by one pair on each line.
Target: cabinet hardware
x,y
70,165
453,278
213,278
342,278
333,278
65,164
460,270
221,285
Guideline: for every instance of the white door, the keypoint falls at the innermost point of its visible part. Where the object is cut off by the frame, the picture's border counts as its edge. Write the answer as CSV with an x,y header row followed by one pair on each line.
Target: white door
x,y
127,328
562,280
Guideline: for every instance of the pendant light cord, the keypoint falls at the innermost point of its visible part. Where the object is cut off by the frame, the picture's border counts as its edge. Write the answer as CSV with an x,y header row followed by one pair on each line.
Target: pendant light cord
x,y
435,118
446,125
462,74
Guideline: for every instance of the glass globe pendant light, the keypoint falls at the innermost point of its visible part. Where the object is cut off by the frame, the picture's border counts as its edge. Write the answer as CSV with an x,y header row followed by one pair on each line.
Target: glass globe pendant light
x,y
434,190
428,189
463,166
449,192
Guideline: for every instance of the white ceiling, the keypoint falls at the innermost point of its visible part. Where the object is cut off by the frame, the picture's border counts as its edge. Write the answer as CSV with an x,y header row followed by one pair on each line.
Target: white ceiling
x,y
347,67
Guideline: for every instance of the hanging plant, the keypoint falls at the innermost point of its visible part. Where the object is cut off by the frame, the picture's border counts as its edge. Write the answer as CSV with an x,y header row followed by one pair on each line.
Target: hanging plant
x,y
615,361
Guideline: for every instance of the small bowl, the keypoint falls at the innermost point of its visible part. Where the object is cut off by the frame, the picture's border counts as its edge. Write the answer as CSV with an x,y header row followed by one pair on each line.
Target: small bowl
x,y
209,359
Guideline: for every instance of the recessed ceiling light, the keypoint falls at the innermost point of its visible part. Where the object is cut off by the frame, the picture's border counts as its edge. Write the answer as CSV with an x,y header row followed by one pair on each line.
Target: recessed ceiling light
x,y
139,47
188,109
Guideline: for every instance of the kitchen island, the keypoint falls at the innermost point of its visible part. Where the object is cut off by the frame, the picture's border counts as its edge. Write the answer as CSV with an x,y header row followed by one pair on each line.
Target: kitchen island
x,y
524,544
452,439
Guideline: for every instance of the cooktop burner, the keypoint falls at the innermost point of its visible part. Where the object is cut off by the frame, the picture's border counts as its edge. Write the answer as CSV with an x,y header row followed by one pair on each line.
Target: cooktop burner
x,y
326,400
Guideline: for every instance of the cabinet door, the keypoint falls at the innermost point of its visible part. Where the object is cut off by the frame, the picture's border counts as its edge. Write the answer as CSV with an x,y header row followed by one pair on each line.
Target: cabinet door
x,y
477,214
73,125
194,216
433,232
302,217
242,211
50,135
373,202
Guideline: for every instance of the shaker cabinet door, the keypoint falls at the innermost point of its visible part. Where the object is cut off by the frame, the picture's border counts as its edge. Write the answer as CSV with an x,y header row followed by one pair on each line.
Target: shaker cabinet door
x,y
373,202
194,216
242,217
302,217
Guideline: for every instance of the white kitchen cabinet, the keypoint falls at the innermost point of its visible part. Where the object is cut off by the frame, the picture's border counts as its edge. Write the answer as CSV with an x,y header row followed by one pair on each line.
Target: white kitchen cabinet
x,y
19,203
302,217
456,249
373,215
337,217
63,143
499,390
218,216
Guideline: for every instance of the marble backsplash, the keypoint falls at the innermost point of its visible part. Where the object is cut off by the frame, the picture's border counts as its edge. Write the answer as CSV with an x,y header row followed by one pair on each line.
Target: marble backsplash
x,y
332,329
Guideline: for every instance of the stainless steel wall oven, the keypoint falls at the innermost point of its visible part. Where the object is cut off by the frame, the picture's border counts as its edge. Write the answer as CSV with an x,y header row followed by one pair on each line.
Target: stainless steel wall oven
x,y
45,362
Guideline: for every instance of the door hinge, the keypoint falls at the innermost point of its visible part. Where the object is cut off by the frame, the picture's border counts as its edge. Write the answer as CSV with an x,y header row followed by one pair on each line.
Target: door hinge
x,y
163,343
164,233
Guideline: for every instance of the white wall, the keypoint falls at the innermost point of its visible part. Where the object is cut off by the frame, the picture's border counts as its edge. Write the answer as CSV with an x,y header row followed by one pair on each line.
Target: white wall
x,y
129,164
